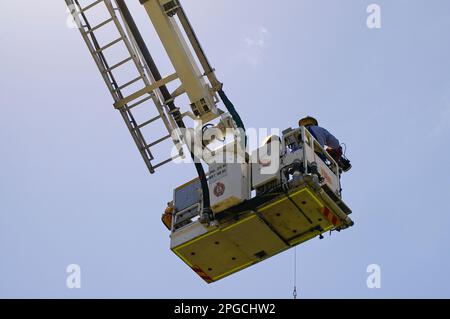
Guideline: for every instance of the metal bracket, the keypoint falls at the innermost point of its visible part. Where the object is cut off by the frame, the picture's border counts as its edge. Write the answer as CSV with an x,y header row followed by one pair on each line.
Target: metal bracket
x,y
148,89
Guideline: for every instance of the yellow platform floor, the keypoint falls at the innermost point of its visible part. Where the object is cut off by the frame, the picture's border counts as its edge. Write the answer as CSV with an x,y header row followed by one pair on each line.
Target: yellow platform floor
x,y
281,224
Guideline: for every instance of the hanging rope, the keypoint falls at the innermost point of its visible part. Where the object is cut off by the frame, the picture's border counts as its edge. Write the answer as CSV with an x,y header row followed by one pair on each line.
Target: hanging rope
x,y
294,293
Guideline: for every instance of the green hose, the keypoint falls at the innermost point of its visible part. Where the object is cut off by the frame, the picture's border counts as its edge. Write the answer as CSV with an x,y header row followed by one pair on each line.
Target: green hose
x,y
234,114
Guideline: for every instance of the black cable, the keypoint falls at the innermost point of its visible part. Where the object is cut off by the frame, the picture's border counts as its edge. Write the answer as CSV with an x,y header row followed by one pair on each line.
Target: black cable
x,y
294,293
167,97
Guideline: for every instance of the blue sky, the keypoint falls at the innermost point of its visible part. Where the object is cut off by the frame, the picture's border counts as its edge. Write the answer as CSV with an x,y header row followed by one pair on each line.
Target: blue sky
x,y
74,190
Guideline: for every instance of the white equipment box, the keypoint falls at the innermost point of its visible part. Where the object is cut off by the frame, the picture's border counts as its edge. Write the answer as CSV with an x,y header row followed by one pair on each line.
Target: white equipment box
x,y
229,185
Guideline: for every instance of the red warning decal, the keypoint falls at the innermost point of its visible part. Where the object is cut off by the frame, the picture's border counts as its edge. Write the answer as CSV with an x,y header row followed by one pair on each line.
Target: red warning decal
x,y
330,216
202,274
219,189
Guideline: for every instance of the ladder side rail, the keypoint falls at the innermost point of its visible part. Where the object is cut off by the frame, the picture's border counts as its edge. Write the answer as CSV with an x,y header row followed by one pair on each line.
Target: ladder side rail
x,y
112,85
142,66
105,69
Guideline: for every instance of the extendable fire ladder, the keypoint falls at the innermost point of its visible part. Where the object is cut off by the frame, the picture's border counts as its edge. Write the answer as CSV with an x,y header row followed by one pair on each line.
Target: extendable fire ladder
x,y
126,104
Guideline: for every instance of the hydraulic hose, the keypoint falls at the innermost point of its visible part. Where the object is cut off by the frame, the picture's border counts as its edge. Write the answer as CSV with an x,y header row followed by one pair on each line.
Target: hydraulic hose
x,y
230,107
234,114
167,97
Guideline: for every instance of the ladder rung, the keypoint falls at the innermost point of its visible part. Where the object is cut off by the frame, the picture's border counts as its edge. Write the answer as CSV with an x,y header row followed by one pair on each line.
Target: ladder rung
x,y
115,66
100,25
90,6
158,141
109,45
166,161
149,122
128,84
139,102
